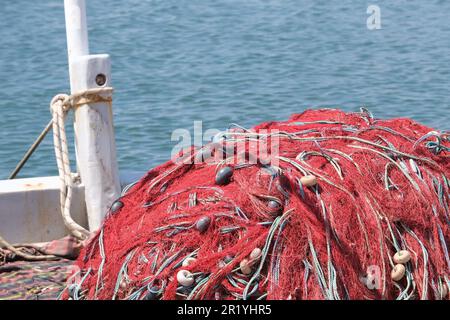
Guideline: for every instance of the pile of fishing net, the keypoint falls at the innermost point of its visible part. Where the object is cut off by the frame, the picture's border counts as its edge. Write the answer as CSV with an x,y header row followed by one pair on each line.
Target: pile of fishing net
x,y
334,206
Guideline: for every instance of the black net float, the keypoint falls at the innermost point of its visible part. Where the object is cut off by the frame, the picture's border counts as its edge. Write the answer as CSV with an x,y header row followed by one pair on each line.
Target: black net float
x,y
224,175
202,224
275,208
116,206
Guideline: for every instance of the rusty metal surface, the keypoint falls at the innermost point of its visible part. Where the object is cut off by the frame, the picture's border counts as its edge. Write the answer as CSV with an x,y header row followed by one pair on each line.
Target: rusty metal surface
x,y
42,280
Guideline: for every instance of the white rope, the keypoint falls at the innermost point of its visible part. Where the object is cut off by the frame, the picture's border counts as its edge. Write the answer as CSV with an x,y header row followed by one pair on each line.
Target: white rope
x,y
60,106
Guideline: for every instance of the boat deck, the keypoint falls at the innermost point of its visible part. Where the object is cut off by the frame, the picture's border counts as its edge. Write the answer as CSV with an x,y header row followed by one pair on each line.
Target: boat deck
x,y
43,280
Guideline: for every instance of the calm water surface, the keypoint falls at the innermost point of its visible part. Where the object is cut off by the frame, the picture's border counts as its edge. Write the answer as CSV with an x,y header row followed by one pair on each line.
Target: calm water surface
x,y
224,61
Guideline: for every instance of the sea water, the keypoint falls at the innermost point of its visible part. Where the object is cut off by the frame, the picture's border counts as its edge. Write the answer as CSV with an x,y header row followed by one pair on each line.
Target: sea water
x,y
220,62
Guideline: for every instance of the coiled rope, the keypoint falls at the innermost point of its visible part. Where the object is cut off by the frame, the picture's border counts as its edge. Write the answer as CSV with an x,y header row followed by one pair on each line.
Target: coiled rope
x,y
60,105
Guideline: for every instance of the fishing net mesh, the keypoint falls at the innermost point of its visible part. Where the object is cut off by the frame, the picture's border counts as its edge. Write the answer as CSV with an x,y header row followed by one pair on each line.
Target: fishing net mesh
x,y
372,188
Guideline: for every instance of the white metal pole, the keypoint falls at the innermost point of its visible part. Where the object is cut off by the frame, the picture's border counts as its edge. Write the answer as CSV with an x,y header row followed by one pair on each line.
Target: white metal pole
x,y
76,28
93,123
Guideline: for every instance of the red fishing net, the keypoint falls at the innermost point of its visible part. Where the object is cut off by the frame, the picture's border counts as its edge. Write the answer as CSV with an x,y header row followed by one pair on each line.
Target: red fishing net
x,y
320,215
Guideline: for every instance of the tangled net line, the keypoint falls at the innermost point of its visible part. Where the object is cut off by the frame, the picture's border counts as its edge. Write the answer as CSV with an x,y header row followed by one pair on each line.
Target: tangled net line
x,y
355,208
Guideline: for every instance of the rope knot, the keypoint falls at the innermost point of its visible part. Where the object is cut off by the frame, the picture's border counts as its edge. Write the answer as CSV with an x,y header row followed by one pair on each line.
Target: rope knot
x,y
60,102
59,106
67,102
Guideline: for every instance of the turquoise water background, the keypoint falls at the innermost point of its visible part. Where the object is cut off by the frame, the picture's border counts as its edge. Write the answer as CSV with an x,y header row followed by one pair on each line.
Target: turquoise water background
x,y
223,61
